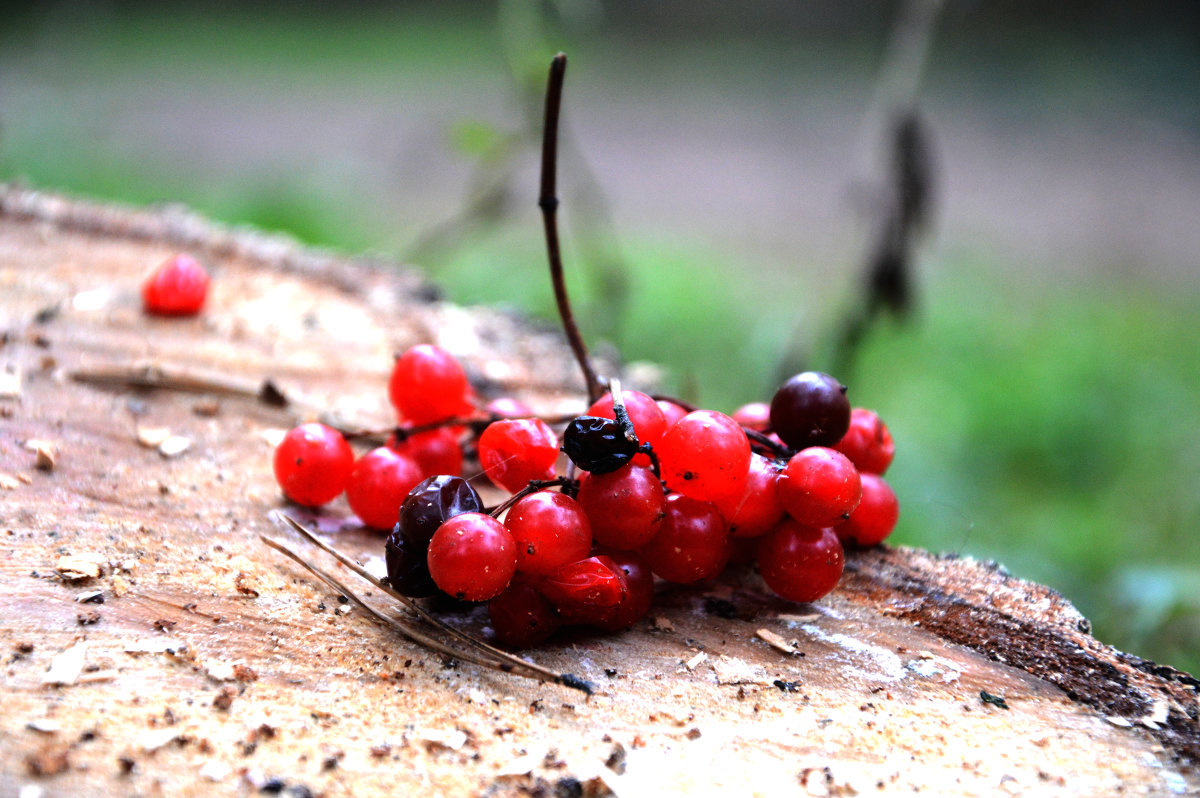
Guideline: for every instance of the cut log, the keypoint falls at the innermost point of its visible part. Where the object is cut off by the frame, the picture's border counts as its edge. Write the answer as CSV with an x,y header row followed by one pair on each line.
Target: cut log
x,y
153,644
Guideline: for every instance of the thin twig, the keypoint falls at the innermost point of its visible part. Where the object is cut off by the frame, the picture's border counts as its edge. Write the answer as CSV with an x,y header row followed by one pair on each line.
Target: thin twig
x,y
154,376
511,660
548,202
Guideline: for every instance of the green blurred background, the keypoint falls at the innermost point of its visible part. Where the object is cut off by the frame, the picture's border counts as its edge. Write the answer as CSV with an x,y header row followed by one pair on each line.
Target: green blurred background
x,y
1043,392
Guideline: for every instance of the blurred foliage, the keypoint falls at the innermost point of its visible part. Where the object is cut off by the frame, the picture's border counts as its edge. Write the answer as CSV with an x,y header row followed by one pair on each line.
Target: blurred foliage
x,y
1038,423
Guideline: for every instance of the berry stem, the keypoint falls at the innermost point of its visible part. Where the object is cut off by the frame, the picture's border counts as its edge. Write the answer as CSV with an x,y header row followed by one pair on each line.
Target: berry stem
x,y
548,202
619,411
533,487
767,443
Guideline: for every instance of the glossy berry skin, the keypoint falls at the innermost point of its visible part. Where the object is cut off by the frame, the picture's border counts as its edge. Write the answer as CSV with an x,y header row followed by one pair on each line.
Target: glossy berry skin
x,y
587,591
428,384
508,407
522,617
379,483
472,557
313,464
758,509
550,530
626,507
671,412
647,417
407,566
704,455
753,415
810,409
179,287
639,583
436,451
819,487
515,451
800,563
692,543
874,518
433,502
868,443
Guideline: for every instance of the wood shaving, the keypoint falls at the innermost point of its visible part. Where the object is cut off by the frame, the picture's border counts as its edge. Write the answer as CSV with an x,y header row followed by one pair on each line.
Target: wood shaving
x,y
66,665
10,381
735,671
77,567
151,437
219,671
214,771
453,739
9,482
45,453
154,739
44,725
120,586
694,661
174,445
776,642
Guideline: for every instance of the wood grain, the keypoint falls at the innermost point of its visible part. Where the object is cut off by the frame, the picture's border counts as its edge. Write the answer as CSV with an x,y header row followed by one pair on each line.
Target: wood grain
x,y
213,666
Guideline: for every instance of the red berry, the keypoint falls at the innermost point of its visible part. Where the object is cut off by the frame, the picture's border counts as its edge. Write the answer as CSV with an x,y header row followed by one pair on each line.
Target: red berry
x,y
753,415
585,591
436,451
692,543
640,584
819,487
472,557
313,464
508,407
522,617
810,409
515,451
758,508
550,530
647,417
867,443
874,518
800,563
379,483
671,411
704,455
625,506
177,288
428,384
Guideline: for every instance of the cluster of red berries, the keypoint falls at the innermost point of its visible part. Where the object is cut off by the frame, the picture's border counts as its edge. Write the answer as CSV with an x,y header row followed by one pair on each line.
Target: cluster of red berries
x,y
653,488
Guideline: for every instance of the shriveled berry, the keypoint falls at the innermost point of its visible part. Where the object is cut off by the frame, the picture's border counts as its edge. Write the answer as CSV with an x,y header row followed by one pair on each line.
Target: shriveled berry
x,y
179,287
639,582
692,543
428,384
407,566
598,445
515,451
522,617
819,487
585,591
472,557
433,502
313,464
704,455
874,518
867,443
800,563
379,483
550,530
810,409
625,507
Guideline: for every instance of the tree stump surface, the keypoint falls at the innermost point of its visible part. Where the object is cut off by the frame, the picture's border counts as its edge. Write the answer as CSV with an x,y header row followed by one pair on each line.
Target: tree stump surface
x,y
153,645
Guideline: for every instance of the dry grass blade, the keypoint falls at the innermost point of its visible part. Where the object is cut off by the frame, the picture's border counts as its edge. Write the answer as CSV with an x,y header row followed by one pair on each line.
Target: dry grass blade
x,y
497,658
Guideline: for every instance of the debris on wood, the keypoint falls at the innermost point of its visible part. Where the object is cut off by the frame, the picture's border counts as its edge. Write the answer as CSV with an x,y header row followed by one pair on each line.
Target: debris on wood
x,y
44,452
776,642
151,437
694,661
174,445
82,566
10,381
49,760
995,700
66,665
44,725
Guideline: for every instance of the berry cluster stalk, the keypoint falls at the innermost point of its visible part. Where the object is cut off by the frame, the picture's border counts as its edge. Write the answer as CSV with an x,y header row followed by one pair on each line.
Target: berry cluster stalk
x,y
548,202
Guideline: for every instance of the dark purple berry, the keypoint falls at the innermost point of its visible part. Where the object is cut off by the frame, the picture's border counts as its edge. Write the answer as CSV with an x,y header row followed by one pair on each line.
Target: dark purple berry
x,y
810,409
598,445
